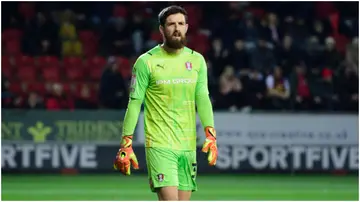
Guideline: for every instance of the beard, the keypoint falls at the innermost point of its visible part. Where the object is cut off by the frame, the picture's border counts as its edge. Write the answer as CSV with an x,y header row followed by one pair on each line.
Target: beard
x,y
175,43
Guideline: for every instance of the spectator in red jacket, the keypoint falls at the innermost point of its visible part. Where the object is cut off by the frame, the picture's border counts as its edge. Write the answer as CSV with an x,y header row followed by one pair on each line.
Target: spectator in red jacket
x,y
58,100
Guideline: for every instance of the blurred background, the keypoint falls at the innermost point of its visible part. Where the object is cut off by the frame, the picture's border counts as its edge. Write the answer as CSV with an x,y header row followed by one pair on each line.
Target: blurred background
x,y
283,80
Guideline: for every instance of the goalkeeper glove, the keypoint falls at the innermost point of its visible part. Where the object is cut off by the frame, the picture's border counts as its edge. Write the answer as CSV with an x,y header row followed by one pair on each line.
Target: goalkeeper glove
x,y
209,145
126,156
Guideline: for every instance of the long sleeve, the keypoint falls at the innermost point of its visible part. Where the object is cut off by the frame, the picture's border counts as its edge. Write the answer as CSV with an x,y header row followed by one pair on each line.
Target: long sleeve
x,y
202,99
139,84
131,116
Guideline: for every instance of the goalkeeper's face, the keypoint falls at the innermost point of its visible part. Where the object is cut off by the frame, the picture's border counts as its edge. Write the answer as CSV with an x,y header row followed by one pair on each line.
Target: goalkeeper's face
x,y
174,31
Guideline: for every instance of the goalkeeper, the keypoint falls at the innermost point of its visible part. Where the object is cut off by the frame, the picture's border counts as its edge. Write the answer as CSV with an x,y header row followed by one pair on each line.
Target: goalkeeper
x,y
172,80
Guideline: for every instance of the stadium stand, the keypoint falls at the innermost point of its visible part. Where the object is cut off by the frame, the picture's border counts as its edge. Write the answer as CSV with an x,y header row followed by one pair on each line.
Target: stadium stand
x,y
260,56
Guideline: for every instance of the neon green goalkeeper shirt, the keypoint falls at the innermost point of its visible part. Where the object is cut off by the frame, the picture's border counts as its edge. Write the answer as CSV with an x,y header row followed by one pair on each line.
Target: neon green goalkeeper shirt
x,y
170,84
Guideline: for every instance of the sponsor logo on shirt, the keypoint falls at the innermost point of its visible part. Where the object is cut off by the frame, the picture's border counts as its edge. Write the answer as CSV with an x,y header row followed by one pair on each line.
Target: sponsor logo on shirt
x,y
175,81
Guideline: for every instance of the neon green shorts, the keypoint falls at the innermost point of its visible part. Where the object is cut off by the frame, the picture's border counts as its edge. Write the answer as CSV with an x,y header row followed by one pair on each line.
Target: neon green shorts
x,y
171,168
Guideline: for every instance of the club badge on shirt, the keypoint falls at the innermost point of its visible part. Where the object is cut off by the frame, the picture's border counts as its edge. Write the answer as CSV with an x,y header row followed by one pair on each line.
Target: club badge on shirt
x,y
160,177
188,65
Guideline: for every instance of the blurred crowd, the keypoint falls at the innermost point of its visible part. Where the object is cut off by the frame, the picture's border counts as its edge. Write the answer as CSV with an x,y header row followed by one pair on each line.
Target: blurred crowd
x,y
293,56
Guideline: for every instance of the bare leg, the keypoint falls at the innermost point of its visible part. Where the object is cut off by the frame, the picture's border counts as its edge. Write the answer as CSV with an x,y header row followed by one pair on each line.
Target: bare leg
x,y
184,195
167,194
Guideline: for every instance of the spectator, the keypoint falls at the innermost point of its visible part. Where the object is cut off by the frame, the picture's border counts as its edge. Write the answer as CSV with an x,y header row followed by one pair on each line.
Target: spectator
x,y
349,90
113,92
262,58
249,30
239,57
354,51
34,101
253,40
218,56
12,22
351,57
331,57
278,89
6,95
301,33
301,93
231,90
84,100
289,26
71,46
313,55
45,35
58,100
287,55
255,87
272,30
117,38
5,84
139,31
318,31
324,91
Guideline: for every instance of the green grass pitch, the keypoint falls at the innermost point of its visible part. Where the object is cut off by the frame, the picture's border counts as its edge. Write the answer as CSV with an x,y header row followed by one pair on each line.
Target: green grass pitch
x,y
211,187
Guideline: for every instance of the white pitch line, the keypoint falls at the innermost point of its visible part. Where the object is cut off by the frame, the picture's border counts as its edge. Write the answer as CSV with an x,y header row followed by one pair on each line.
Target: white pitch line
x,y
9,185
136,192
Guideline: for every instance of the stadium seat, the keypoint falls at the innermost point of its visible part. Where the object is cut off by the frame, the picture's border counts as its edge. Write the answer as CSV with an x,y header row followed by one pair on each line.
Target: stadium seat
x,y
24,60
7,72
66,87
47,61
194,16
6,67
156,36
26,73
38,87
95,74
87,36
51,74
95,62
124,63
27,10
199,42
89,42
12,47
76,87
74,74
11,34
72,61
201,48
119,11
5,62
16,88
124,67
89,49
125,73
256,12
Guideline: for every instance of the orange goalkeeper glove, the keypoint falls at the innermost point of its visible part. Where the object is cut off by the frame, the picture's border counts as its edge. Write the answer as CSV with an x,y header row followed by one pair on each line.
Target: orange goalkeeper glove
x,y
209,145
126,156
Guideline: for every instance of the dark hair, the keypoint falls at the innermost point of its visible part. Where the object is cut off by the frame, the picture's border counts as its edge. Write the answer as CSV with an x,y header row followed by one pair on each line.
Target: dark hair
x,y
170,11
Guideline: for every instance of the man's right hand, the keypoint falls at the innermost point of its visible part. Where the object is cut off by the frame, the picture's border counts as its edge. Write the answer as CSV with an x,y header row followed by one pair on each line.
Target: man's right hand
x,y
125,157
